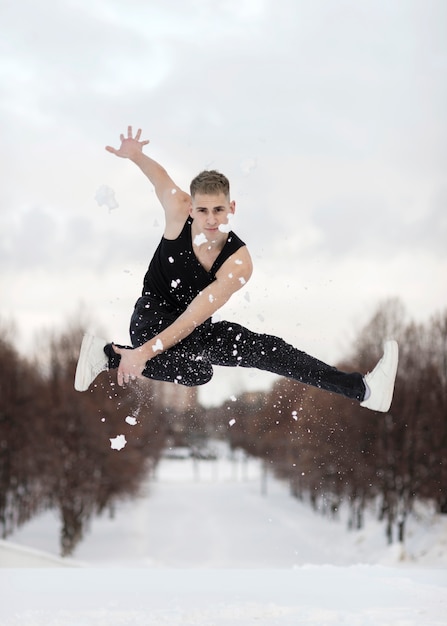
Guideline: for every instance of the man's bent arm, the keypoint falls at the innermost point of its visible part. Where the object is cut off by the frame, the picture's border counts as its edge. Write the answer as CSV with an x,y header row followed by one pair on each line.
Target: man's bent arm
x,y
233,274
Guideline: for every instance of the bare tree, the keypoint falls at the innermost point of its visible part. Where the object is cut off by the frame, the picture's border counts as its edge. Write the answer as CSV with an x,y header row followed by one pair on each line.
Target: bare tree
x,y
55,443
333,450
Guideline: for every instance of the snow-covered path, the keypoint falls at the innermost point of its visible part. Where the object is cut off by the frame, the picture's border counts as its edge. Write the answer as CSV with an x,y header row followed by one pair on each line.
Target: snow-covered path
x,y
213,514
204,546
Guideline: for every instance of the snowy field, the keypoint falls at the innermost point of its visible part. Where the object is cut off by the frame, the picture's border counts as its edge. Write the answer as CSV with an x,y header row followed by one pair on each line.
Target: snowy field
x,y
204,545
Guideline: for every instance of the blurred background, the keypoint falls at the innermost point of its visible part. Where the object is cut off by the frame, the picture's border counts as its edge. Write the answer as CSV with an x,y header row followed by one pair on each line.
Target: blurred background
x,y
329,120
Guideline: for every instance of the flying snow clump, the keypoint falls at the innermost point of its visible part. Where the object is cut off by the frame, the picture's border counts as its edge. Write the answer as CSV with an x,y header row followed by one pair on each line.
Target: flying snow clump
x,y
118,442
158,346
199,239
225,228
106,196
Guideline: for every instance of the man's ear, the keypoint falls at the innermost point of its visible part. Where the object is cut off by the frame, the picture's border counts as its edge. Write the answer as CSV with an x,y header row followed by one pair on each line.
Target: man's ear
x,y
232,206
190,208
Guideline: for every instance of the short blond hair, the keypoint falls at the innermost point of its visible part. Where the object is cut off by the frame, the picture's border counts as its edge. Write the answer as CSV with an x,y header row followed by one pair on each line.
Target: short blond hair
x,y
210,182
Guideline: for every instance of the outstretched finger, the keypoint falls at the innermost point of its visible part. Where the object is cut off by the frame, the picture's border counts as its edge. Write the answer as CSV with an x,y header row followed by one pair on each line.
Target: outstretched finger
x,y
138,134
122,378
129,132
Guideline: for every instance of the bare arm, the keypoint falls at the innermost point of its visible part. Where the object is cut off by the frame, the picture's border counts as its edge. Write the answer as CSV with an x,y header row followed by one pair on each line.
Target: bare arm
x,y
174,201
233,274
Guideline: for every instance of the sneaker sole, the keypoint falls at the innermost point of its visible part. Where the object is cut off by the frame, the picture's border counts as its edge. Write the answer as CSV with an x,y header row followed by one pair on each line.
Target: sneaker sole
x,y
81,384
391,352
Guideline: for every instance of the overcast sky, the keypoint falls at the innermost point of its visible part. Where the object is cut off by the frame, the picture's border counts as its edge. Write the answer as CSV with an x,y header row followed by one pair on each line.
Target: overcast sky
x,y
329,117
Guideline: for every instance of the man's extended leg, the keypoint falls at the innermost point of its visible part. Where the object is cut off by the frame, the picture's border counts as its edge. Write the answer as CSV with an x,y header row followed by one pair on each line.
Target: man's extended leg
x,y
230,344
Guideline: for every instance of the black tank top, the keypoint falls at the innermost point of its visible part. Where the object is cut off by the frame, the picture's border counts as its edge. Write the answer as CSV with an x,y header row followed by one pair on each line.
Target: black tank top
x,y
175,276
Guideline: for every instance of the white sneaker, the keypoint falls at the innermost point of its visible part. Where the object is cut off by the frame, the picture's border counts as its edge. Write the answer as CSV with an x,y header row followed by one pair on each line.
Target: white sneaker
x,y
381,380
92,361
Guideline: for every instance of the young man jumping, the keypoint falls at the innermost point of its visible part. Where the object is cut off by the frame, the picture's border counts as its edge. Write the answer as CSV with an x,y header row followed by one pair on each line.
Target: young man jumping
x,y
197,266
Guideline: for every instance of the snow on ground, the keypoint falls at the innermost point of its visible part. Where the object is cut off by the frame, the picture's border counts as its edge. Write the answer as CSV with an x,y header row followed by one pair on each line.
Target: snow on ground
x,y
14,555
203,545
312,595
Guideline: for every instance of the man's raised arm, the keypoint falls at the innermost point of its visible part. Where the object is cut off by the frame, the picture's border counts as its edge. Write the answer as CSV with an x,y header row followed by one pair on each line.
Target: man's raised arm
x,y
172,198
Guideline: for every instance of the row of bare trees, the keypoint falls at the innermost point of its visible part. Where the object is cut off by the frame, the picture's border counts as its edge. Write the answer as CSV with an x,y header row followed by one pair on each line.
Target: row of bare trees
x,y
55,450
332,450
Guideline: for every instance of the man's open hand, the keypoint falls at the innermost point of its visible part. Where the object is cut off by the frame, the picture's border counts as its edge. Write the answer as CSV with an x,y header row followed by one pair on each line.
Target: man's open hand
x,y
130,146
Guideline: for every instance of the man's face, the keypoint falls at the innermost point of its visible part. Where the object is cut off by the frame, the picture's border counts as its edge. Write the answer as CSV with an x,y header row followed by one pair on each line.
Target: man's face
x,y
210,214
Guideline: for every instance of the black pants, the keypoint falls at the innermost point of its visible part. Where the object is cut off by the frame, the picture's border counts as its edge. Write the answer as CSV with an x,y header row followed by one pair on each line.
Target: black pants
x,y
190,362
